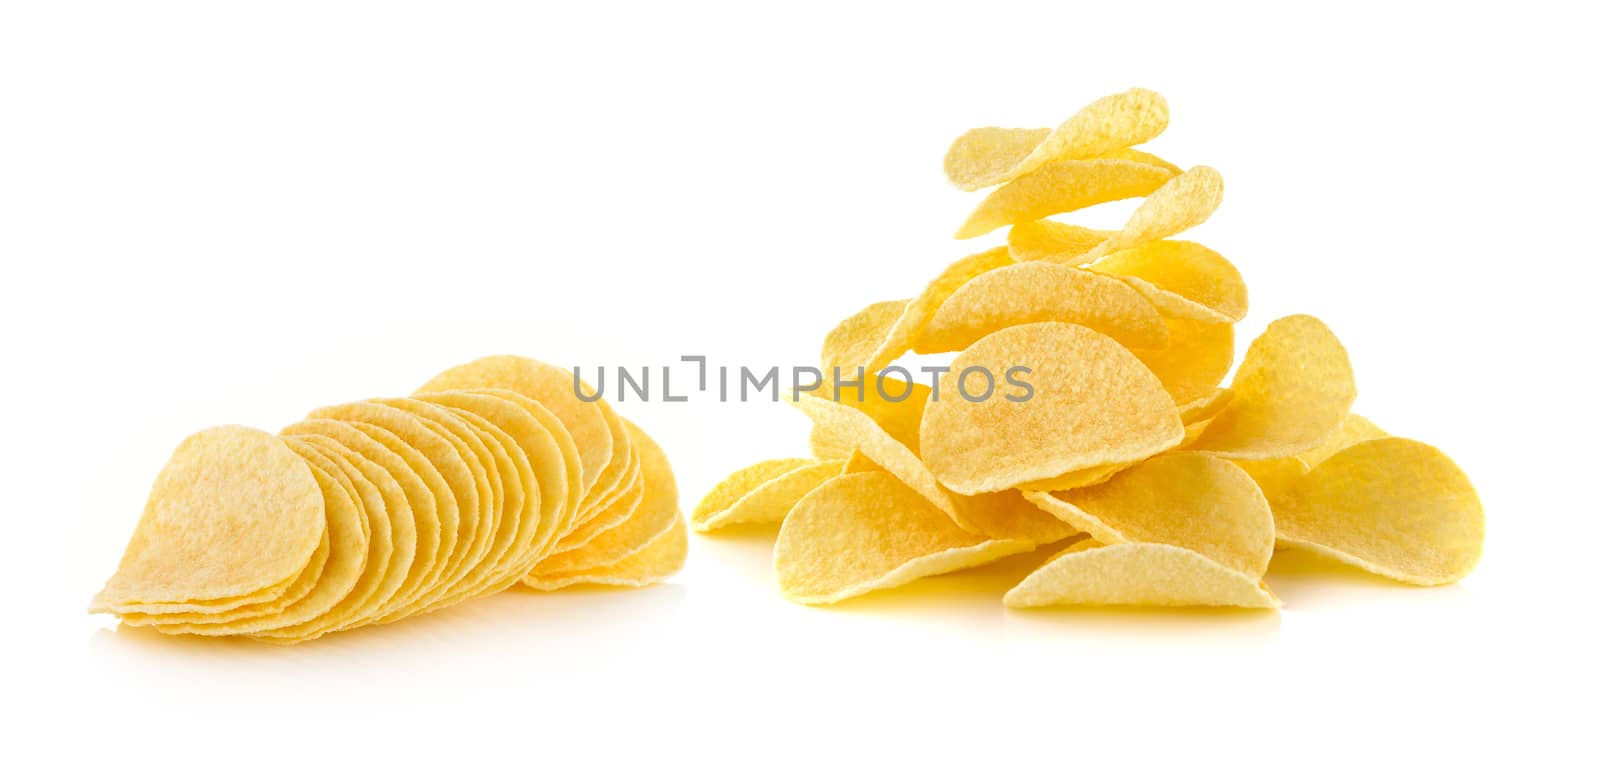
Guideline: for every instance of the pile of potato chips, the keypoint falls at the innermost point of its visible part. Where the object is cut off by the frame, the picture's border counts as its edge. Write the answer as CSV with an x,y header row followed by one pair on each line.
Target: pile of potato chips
x,y
1159,486
493,473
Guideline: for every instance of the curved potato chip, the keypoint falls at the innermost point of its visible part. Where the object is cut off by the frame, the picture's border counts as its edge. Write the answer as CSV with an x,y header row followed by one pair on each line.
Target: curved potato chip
x,y
1044,240
220,487
1291,393
613,511
550,386
859,462
1185,280
1275,477
1073,480
863,532
827,446
1202,409
1354,429
1007,515
736,486
657,561
1199,502
1137,574
1060,188
989,156
1092,404
1040,291
1185,201
914,319
655,515
1392,506
1194,361
852,344
393,529
1139,156
771,501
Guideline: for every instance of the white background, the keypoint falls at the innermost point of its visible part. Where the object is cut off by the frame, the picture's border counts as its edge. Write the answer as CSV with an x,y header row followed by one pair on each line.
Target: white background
x,y
218,214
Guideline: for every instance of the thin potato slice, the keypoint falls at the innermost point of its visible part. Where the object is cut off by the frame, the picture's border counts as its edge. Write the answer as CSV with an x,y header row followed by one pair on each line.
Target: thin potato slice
x,y
1185,280
989,156
1291,393
297,589
1040,291
1137,574
852,344
657,561
1275,477
1185,201
1194,362
771,501
655,515
1202,409
1053,241
234,514
1354,429
1094,404
1060,188
863,532
737,485
1392,506
1199,502
914,319
611,513
826,446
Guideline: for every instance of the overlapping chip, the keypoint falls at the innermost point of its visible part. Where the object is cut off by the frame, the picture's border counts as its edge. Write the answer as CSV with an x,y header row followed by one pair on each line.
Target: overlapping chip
x,y
369,512
1088,398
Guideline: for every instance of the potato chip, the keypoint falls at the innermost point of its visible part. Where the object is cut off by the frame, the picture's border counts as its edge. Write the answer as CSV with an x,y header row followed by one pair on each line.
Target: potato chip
x,y
914,319
1275,477
1053,241
1202,409
621,470
1185,201
613,511
516,508
553,388
392,527
1140,156
1060,188
1290,394
1194,361
1039,291
989,156
863,532
655,515
826,446
297,589
1138,574
1196,501
860,462
234,512
769,502
1354,429
1093,404
657,561
1185,280
736,486
1073,480
852,344
1392,506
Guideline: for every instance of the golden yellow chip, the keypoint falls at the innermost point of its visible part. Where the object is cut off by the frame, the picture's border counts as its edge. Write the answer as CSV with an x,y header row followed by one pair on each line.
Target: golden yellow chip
x,y
735,486
1073,480
516,508
1291,393
1092,404
656,513
905,331
1060,188
549,385
297,589
1053,241
769,502
859,462
852,344
1195,360
1202,409
989,156
1040,291
657,561
613,511
1354,429
1139,156
1185,201
826,446
1137,574
1198,502
621,470
393,529
1392,506
1185,280
234,513
862,532
1275,477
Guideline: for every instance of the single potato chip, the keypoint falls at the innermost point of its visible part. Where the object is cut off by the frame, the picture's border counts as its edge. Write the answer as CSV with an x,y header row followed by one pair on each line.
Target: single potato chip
x,y
1137,574
1060,188
862,532
914,319
233,513
1392,506
1195,360
989,156
1053,241
771,501
736,486
1354,429
1195,501
1291,393
1040,291
1092,404
1185,201
1185,280
852,344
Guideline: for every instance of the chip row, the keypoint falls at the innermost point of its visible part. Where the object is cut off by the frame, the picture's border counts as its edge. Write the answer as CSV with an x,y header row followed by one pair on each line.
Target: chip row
x,y
1154,484
494,473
